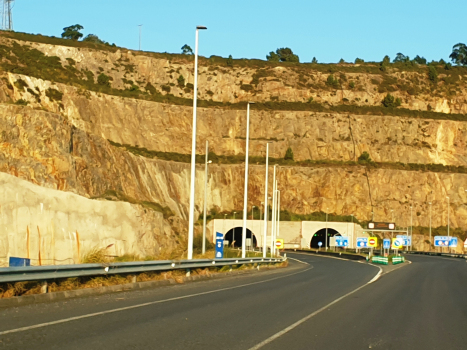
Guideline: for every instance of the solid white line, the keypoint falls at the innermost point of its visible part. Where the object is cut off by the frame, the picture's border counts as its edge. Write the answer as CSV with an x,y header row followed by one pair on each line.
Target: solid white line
x,y
306,318
40,325
303,262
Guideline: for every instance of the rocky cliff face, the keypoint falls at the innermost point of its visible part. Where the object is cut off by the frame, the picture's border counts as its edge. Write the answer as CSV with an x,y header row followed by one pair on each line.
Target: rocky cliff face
x,y
311,135
61,140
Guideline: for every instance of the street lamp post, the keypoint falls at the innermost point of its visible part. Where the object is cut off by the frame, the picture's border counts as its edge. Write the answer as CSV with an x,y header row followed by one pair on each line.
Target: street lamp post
x,y
233,232
206,162
411,227
326,238
140,27
193,155
245,195
252,219
265,246
449,238
273,222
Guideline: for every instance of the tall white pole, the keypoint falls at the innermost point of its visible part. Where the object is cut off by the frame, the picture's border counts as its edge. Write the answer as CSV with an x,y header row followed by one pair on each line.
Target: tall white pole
x,y
411,227
278,212
205,196
245,195
265,245
191,209
449,238
273,221
326,237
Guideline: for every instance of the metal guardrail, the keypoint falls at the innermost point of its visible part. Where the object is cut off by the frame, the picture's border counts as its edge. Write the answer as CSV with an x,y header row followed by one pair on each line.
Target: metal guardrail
x,y
450,255
51,272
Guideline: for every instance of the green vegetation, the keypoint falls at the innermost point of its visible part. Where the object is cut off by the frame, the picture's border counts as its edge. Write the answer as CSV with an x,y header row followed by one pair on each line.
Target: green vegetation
x,y
92,38
187,50
332,82
104,80
73,32
181,81
282,55
365,158
390,101
113,195
229,61
239,159
459,54
288,154
432,74
54,94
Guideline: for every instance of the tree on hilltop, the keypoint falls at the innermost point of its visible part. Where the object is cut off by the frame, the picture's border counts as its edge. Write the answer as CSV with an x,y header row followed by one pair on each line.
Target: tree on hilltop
x,y
401,58
73,32
459,54
187,50
284,54
92,38
288,154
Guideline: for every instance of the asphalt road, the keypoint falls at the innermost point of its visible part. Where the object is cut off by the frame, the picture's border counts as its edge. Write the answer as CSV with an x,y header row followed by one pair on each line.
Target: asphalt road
x,y
327,304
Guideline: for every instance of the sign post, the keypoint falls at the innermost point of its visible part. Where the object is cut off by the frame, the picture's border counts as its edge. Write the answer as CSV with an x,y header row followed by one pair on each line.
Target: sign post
x,y
219,245
386,245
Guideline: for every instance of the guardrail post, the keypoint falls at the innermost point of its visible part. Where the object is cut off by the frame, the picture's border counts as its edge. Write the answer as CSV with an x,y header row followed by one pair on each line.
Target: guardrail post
x,y
133,279
44,287
188,272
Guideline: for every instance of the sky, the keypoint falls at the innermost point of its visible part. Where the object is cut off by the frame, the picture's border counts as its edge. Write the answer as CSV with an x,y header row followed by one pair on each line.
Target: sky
x,y
326,29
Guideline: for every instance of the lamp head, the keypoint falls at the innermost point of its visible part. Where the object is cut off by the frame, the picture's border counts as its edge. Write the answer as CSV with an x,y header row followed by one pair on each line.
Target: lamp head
x,y
209,162
201,27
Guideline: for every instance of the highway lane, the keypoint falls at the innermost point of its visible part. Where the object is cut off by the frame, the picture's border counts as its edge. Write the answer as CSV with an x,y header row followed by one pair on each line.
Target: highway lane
x,y
420,306
229,313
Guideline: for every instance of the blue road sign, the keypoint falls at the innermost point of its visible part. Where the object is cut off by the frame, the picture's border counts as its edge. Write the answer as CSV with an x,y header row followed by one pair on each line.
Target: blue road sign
x,y
342,241
453,242
407,240
219,245
362,242
386,243
320,244
442,241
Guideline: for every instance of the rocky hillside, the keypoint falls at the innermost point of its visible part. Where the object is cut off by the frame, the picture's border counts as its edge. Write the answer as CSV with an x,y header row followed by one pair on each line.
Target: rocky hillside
x,y
106,122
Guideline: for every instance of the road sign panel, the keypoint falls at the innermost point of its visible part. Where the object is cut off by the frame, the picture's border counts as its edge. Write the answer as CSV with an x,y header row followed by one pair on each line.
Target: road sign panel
x,y
453,242
406,240
386,243
219,245
465,243
372,242
342,241
279,243
442,241
362,242
397,243
382,225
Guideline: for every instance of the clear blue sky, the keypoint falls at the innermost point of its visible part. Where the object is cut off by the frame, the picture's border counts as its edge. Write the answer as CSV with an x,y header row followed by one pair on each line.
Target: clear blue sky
x,y
327,29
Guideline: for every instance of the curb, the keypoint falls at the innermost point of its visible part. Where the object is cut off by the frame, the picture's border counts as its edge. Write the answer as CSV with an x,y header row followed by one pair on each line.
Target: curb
x,y
62,295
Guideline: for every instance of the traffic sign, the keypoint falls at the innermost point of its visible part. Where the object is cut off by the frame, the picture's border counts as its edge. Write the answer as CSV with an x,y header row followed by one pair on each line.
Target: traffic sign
x,y
386,243
465,243
219,245
372,242
342,241
362,242
382,225
442,241
453,242
279,243
406,240
397,243
320,244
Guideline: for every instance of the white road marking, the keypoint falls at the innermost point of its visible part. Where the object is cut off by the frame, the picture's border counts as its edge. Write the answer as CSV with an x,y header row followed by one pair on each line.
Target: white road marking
x,y
306,318
303,262
40,325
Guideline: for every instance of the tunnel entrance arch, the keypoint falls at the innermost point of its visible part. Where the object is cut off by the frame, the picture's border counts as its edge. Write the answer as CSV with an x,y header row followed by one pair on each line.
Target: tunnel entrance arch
x,y
235,234
319,236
